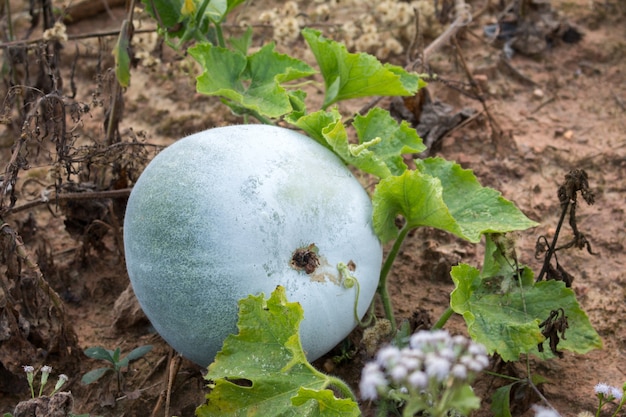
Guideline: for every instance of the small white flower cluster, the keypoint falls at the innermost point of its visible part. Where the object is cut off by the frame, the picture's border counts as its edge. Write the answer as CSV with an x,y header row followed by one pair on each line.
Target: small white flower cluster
x,y
58,33
432,361
45,372
608,392
541,411
286,22
383,30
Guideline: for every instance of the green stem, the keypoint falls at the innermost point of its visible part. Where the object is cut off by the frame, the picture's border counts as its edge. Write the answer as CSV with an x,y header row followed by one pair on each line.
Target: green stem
x,y
384,273
259,117
220,35
599,407
342,387
511,378
619,407
443,319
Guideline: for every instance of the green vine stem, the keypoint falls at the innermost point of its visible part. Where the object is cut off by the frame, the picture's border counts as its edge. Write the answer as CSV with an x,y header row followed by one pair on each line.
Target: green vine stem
x,y
342,387
443,319
220,36
382,283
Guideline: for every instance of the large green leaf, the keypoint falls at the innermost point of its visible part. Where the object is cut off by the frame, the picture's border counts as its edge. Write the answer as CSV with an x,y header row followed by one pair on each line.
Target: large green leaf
x,y
382,140
263,371
503,310
443,195
348,75
252,82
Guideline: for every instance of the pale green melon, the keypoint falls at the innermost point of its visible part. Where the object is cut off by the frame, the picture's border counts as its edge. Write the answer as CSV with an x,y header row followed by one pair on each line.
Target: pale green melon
x,y
220,214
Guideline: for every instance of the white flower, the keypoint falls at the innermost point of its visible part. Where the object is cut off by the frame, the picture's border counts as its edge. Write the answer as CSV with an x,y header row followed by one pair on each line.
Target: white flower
x,y
398,372
544,411
57,33
482,360
372,378
602,389
388,356
418,380
459,371
447,353
290,9
474,365
437,367
28,369
616,393
425,337
410,363
476,349
46,369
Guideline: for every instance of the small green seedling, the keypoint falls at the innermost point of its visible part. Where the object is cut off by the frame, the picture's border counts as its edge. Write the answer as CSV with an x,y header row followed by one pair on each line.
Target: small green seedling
x,y
113,357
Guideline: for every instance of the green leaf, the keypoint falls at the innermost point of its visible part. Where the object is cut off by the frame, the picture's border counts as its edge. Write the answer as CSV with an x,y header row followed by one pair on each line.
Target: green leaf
x,y
253,82
121,55
478,209
242,44
463,400
166,12
263,370
501,401
397,139
417,197
348,75
313,124
503,311
99,352
116,354
359,156
382,140
324,403
192,15
92,376
138,352
441,194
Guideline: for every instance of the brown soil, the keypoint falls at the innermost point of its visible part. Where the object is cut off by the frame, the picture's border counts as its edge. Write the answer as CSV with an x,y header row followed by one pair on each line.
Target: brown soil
x,y
558,110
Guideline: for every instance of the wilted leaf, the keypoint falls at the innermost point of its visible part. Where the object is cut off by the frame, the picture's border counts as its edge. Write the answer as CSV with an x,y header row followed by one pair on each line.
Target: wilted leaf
x,y
504,311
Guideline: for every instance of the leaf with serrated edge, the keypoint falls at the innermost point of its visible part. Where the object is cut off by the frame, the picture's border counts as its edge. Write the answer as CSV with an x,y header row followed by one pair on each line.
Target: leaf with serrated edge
x,y
312,124
396,138
328,130
505,318
477,209
325,403
415,196
443,195
268,355
348,75
382,140
225,72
